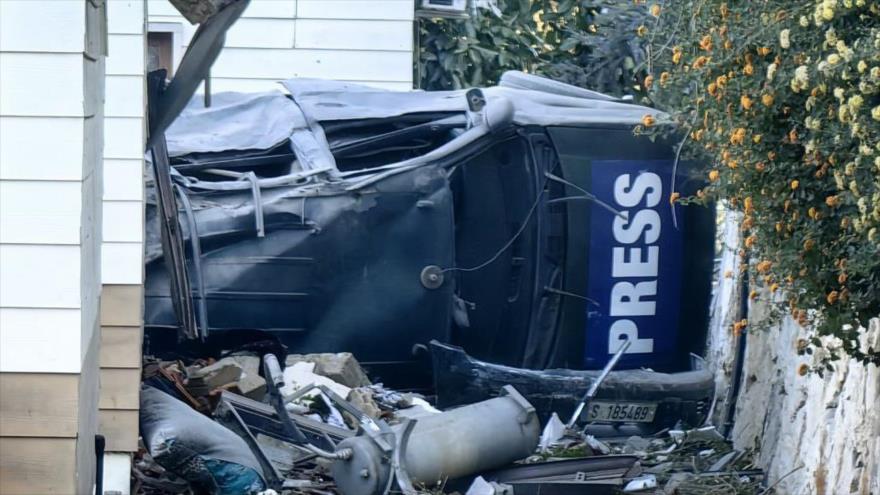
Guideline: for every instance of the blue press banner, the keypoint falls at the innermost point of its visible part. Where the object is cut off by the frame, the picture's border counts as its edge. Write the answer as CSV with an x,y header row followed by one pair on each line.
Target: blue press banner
x,y
635,265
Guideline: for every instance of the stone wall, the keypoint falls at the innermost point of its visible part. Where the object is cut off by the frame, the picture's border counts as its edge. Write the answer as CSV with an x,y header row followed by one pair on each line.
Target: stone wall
x,y
813,434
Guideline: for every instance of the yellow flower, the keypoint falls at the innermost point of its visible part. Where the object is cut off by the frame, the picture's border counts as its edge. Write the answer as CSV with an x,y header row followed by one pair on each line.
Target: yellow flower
x,y
875,113
714,175
676,55
756,138
655,10
642,30
745,101
794,184
833,59
784,38
749,69
725,10
774,287
648,120
862,66
767,100
706,43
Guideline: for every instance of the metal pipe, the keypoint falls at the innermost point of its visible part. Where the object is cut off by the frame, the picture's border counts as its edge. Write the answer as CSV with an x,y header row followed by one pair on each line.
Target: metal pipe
x,y
591,392
471,439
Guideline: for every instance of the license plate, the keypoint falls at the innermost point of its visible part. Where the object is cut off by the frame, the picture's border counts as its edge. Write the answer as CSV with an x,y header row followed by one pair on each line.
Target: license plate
x,y
621,411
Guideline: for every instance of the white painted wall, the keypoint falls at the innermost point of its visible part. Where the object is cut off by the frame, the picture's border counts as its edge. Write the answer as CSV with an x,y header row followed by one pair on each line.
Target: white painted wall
x,y
364,41
51,94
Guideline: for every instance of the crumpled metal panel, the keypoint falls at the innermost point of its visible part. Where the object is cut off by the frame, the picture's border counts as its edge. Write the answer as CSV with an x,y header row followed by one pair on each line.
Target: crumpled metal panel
x,y
332,269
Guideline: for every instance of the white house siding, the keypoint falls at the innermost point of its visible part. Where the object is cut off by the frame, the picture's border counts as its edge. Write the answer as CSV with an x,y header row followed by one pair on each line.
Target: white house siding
x,y
363,41
123,235
51,119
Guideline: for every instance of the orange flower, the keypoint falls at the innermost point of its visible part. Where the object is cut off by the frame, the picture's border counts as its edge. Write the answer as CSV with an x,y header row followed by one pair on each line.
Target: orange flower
x,y
803,369
764,266
748,205
648,120
728,44
712,89
745,101
809,244
764,51
700,61
841,279
767,100
774,287
793,135
794,184
832,297
738,136
760,166
706,43
714,175
751,240
749,69
832,201
674,197
664,78
778,226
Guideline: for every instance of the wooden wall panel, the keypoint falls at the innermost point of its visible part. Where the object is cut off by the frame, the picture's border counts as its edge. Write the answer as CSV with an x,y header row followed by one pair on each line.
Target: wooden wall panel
x,y
120,429
38,404
120,388
121,347
122,305
44,466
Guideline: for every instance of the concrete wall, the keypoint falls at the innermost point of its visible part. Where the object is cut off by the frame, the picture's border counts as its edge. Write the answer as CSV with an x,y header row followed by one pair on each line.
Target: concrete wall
x,y
51,128
813,434
364,41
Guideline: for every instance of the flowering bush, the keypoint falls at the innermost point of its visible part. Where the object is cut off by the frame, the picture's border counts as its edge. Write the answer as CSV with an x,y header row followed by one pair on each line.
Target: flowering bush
x,y
782,99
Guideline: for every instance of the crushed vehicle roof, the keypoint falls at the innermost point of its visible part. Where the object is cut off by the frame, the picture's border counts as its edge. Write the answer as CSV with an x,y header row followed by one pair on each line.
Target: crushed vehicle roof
x,y
269,118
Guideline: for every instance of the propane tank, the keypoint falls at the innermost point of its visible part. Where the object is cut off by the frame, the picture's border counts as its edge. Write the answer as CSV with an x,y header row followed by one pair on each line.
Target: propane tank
x,y
471,439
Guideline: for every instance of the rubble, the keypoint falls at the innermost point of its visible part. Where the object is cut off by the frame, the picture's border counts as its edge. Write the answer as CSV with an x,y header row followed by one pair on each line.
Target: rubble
x,y
331,433
341,367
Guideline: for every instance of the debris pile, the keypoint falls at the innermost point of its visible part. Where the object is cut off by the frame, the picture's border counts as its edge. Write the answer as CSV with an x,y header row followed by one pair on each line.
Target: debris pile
x,y
244,424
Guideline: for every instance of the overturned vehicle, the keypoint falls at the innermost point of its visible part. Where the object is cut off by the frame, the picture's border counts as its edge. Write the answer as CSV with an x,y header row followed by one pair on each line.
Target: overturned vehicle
x,y
524,228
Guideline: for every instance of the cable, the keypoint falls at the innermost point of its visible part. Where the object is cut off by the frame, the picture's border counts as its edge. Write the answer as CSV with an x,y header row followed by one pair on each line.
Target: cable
x,y
510,242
